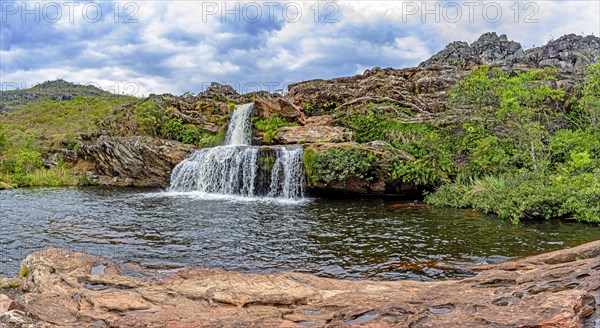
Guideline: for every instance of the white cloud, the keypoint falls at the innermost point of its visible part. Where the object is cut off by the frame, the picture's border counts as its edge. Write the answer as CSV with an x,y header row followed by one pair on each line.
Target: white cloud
x,y
173,49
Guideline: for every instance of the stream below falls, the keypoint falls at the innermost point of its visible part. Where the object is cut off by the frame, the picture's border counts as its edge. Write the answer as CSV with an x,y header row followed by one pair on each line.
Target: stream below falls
x,y
354,238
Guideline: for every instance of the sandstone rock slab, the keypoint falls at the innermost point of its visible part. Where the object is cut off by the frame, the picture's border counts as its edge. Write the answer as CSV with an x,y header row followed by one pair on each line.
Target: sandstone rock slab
x,y
557,289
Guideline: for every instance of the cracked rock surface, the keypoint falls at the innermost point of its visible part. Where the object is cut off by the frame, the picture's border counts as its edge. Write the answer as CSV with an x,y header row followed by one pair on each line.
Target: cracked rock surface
x,y
68,289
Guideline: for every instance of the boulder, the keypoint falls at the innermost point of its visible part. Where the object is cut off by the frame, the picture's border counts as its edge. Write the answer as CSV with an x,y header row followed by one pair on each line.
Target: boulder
x,y
5,303
313,133
265,107
557,289
139,161
567,52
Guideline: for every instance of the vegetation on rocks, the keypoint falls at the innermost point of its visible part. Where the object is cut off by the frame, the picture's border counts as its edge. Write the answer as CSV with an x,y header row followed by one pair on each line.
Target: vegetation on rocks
x,y
156,121
516,138
520,163
340,164
31,129
430,146
270,126
508,145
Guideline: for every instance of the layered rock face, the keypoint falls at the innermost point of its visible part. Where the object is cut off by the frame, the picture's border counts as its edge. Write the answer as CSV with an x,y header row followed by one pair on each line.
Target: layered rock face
x,y
67,289
133,161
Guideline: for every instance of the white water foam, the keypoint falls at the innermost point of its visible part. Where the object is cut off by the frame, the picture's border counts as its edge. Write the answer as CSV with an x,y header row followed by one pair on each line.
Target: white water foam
x,y
240,169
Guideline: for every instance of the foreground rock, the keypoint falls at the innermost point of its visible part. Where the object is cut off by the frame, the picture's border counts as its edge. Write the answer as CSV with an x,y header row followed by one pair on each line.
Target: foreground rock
x,y
67,289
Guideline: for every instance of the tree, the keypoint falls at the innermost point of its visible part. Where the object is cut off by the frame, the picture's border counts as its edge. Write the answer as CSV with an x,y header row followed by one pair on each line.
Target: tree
x,y
587,109
514,108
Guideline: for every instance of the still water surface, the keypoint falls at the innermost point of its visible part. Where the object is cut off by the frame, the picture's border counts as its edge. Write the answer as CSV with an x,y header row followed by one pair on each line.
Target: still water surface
x,y
350,238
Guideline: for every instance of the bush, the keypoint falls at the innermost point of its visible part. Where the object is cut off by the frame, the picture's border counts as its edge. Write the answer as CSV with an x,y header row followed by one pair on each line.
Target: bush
x,y
21,161
211,140
433,163
53,177
586,110
567,141
339,164
526,195
369,127
3,142
149,116
270,126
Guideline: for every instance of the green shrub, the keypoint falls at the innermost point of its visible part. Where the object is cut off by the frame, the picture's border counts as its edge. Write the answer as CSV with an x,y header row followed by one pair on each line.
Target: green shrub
x,y
328,107
586,110
72,143
21,161
3,142
526,195
53,177
369,127
149,116
339,164
270,126
211,140
434,161
487,157
567,141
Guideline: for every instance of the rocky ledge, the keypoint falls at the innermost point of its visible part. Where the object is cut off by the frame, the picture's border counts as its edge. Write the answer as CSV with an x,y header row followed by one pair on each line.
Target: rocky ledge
x,y
61,288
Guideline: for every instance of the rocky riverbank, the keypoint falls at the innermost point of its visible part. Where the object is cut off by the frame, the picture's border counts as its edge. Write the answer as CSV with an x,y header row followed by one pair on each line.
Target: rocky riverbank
x,y
60,288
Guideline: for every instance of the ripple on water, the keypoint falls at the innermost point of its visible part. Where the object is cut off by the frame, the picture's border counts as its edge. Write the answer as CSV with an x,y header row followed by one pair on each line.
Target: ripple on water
x,y
342,238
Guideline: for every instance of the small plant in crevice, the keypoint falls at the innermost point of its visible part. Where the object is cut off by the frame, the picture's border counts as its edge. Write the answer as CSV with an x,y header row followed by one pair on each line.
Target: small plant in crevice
x,y
23,272
267,162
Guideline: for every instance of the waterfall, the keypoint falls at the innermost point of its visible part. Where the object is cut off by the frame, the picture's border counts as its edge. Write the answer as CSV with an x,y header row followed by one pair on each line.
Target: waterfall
x,y
240,169
239,131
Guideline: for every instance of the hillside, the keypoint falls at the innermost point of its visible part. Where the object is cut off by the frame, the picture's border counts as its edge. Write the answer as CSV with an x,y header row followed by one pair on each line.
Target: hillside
x,y
40,129
56,90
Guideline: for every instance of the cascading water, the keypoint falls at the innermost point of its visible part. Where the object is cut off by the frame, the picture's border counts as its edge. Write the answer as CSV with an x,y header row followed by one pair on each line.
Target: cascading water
x,y
239,131
240,169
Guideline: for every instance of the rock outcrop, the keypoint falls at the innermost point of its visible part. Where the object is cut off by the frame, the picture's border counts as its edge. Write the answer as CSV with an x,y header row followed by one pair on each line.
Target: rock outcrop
x,y
67,289
414,89
568,52
490,49
133,161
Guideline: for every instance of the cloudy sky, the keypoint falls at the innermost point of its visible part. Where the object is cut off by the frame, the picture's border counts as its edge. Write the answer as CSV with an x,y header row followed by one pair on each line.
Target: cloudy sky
x,y
142,47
